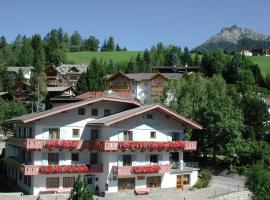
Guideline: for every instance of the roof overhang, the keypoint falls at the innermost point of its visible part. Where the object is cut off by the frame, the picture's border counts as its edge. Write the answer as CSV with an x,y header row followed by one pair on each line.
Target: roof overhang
x,y
157,107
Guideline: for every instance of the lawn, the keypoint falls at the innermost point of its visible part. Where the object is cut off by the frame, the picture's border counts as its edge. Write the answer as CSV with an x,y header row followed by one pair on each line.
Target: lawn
x,y
263,62
84,57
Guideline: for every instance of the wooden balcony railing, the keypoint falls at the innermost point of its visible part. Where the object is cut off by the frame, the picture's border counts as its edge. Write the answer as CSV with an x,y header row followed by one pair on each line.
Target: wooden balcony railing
x,y
36,144
32,170
143,146
147,169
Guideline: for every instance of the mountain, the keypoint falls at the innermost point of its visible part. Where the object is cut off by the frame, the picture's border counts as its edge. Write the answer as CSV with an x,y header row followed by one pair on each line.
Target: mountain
x,y
234,39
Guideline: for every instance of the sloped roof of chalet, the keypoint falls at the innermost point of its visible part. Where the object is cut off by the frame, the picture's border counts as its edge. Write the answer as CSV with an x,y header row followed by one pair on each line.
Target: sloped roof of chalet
x,y
64,68
145,76
25,70
58,89
115,118
109,93
39,115
3,93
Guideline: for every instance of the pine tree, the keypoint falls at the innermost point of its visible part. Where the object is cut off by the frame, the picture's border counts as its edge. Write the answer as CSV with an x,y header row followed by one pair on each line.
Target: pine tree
x,y
26,54
104,46
80,191
118,47
110,44
39,57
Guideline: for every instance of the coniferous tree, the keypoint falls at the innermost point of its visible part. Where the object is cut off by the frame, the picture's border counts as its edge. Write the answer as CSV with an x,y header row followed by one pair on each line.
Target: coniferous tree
x,y
26,54
110,44
104,46
186,57
76,41
80,191
39,57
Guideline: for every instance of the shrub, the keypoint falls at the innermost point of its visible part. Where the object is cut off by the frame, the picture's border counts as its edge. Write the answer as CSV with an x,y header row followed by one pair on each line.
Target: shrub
x,y
204,179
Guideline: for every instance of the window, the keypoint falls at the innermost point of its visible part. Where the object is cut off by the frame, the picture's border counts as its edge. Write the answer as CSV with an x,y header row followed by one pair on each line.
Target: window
x,y
107,112
54,133
94,134
153,181
128,136
149,116
153,134
29,156
25,180
153,158
29,181
20,176
68,182
89,181
81,111
53,158
175,136
94,112
24,132
75,133
126,183
30,133
140,177
127,160
52,182
93,158
75,157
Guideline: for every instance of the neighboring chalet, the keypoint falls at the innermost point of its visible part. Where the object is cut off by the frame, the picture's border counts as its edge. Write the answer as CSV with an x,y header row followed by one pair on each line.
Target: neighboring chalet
x,y
147,87
255,52
22,92
58,92
27,72
70,73
115,144
176,69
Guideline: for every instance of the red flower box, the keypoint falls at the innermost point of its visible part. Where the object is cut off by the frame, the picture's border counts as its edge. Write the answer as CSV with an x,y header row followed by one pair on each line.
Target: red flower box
x,y
146,169
151,145
63,169
63,144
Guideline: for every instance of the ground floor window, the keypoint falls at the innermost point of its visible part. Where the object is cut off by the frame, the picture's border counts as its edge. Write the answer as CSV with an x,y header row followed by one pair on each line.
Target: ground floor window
x,y
153,181
52,182
186,179
68,182
126,183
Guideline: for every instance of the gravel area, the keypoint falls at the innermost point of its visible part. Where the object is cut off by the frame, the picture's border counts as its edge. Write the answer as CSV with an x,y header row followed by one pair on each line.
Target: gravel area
x,y
244,195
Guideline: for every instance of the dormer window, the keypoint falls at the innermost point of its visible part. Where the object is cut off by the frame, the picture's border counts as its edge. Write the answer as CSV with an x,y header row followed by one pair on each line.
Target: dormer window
x,y
149,116
94,112
81,111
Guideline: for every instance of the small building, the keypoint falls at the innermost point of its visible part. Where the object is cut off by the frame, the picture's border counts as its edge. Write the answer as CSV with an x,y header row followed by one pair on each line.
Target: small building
x,y
27,72
147,87
176,69
70,73
246,52
22,92
54,79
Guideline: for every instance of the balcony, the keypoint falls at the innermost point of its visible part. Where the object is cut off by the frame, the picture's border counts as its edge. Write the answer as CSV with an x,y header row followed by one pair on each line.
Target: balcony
x,y
135,170
32,170
36,144
142,146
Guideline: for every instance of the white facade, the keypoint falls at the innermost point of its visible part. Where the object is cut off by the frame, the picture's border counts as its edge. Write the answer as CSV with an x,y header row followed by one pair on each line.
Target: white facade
x,y
143,128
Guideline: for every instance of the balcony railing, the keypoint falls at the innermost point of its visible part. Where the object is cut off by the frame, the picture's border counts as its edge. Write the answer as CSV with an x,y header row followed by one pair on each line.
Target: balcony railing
x,y
135,170
29,143
31,170
135,145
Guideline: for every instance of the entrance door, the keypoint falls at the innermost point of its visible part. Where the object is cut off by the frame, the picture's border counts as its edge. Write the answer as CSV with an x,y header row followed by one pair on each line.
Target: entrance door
x,y
180,182
90,179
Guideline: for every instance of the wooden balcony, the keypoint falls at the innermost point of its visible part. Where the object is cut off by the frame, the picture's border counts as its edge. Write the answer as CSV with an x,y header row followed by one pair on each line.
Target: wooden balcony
x,y
37,144
32,170
129,170
143,146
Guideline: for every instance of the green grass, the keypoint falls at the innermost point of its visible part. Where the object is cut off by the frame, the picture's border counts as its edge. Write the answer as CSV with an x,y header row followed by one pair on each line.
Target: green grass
x,y
84,57
263,62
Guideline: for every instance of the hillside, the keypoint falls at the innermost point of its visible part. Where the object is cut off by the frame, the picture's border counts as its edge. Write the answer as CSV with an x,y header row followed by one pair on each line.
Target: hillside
x,y
234,39
263,62
84,57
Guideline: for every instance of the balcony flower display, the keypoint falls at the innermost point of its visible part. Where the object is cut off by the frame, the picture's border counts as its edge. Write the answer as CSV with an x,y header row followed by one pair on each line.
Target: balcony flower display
x,y
63,144
151,145
63,169
99,145
146,169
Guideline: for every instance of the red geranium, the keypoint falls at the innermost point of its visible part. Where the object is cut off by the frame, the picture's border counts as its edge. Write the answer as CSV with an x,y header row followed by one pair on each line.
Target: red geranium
x,y
146,169
63,144
63,169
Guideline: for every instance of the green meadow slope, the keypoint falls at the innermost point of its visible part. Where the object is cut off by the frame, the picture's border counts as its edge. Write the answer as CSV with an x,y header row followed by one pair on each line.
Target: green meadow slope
x,y
84,57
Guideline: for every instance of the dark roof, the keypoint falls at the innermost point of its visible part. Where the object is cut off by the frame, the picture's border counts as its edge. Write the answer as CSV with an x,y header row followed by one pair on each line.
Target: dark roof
x,y
109,120
146,76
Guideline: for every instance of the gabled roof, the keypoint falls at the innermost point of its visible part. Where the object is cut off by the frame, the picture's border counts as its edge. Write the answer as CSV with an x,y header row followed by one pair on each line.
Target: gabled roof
x,y
25,70
112,119
65,68
145,76
109,93
39,115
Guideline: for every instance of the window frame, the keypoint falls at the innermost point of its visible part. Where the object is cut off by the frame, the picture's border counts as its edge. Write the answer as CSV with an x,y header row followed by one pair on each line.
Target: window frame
x,y
53,156
56,179
153,136
67,182
77,157
78,133
94,112
81,111
127,160
108,112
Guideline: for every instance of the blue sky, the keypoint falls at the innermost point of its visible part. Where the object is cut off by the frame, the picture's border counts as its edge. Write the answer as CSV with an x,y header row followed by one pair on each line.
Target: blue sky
x,y
137,24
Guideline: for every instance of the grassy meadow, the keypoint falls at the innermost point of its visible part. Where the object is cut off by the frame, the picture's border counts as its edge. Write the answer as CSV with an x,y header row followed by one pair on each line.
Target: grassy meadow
x,y
84,57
